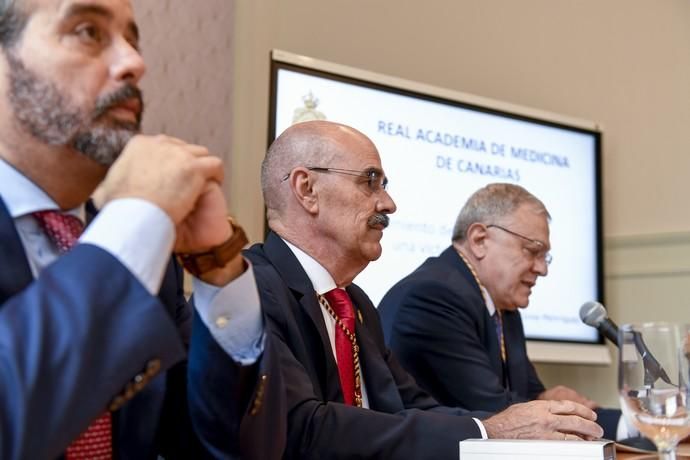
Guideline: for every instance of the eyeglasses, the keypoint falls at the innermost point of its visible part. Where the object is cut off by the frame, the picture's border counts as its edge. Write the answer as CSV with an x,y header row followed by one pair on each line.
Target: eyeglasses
x,y
536,249
375,179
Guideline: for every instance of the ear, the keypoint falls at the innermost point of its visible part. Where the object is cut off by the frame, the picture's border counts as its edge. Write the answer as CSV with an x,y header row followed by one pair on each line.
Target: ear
x,y
302,186
476,240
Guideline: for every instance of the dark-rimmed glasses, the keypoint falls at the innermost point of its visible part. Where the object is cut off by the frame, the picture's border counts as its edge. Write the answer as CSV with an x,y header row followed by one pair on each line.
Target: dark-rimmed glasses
x,y
535,248
375,178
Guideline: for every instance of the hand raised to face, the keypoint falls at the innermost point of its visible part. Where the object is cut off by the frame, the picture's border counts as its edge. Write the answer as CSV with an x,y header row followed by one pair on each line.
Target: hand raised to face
x,y
167,172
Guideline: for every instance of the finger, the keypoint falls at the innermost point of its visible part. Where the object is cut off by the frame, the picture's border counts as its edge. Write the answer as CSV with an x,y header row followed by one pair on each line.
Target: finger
x,y
576,425
211,168
571,408
591,404
561,436
197,150
170,139
588,403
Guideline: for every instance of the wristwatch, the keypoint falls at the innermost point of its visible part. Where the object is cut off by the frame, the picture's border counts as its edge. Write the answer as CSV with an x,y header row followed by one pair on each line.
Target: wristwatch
x,y
202,262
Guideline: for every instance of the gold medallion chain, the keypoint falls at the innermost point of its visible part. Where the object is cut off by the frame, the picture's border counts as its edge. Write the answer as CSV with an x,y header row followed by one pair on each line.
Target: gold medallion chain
x,y
355,348
499,314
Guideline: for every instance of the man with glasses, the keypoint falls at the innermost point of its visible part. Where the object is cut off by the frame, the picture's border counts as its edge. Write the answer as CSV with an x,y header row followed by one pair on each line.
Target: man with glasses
x,y
347,396
454,322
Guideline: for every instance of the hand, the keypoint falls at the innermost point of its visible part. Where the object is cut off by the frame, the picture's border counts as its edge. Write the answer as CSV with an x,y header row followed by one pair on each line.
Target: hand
x,y
206,225
561,393
165,171
544,420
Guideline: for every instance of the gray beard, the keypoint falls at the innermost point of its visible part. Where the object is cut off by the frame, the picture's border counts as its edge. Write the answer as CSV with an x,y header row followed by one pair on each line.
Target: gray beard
x,y
51,117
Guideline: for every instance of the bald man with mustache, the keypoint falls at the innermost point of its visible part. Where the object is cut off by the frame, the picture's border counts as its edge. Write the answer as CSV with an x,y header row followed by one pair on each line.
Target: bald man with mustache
x,y
347,396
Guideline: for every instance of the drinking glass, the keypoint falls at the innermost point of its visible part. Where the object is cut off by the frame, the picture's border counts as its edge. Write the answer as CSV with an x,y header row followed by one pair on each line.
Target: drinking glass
x,y
653,364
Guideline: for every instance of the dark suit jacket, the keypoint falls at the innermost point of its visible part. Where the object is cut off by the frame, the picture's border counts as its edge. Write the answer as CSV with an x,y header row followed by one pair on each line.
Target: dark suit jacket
x,y
436,322
71,343
403,422
232,416
156,421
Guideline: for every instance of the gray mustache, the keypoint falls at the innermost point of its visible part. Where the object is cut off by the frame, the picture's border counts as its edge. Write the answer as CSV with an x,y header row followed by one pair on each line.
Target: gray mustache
x,y
107,102
378,219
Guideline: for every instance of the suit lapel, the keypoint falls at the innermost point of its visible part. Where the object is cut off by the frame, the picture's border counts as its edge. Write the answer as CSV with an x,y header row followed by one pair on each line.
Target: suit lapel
x,y
297,280
517,358
451,257
494,345
329,368
15,272
316,336
376,373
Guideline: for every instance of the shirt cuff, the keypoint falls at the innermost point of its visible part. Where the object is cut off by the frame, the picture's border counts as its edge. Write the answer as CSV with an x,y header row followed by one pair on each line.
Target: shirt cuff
x,y
139,234
232,314
482,430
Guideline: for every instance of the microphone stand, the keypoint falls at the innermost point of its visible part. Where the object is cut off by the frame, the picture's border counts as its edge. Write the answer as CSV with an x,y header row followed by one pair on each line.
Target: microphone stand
x,y
652,369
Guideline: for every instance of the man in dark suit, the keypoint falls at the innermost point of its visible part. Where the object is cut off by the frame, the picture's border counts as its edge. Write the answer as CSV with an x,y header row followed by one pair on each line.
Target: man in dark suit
x,y
454,322
83,338
347,396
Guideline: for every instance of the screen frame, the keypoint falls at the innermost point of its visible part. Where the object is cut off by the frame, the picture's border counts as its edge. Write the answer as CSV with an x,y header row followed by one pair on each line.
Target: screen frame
x,y
545,350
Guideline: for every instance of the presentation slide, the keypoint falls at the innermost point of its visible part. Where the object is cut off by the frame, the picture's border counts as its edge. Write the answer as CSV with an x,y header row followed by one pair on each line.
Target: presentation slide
x,y
436,154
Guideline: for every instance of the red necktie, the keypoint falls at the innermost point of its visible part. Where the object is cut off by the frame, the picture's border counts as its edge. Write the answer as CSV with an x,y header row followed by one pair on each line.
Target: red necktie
x,y
62,229
96,442
341,304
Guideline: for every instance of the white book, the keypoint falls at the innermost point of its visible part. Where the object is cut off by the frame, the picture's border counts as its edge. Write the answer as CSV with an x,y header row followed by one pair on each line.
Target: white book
x,y
504,449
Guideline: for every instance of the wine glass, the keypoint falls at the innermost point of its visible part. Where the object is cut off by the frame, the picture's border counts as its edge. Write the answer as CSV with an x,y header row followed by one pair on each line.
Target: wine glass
x,y
653,379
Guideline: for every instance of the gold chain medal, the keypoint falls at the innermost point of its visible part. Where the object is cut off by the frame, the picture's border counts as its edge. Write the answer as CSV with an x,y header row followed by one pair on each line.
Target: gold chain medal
x,y
498,311
355,348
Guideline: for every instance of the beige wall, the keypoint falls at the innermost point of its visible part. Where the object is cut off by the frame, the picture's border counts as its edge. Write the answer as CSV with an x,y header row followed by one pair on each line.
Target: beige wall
x,y
622,63
188,87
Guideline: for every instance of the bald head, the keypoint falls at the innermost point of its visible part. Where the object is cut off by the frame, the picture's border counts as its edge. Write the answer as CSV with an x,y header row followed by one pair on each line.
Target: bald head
x,y
325,192
312,143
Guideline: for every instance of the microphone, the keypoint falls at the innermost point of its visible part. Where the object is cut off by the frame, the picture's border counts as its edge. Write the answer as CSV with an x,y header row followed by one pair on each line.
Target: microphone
x,y
594,314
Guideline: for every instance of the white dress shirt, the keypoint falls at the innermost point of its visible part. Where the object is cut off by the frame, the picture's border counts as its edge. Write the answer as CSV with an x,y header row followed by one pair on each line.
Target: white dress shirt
x,y
323,282
233,316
